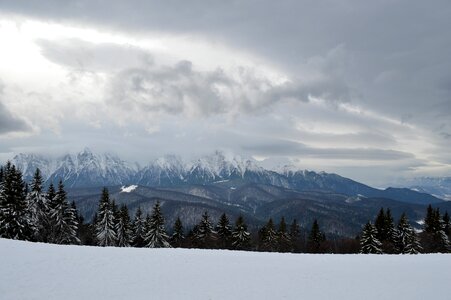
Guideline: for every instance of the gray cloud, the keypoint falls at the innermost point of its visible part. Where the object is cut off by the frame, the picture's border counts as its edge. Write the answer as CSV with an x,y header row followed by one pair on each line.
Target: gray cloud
x,y
138,82
9,122
388,58
300,150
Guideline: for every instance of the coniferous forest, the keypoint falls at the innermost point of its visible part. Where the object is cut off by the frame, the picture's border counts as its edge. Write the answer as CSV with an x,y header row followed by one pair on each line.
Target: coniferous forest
x,y
30,212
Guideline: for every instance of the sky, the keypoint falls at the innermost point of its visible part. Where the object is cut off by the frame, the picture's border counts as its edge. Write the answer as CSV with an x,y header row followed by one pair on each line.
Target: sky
x,y
359,88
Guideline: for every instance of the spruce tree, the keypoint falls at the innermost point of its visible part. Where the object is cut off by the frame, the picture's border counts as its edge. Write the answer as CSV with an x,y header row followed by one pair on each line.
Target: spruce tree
x,y
435,238
406,239
283,237
204,235
369,243
63,219
380,224
138,229
14,217
38,209
295,232
446,223
177,233
155,235
224,231
269,237
315,238
123,227
240,236
105,230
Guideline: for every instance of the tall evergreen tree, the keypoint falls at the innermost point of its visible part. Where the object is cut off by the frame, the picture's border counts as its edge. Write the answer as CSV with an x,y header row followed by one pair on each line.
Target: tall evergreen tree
x,y
240,236
406,239
177,233
14,217
224,231
204,235
435,238
369,243
105,229
295,232
446,224
380,224
315,238
283,237
63,219
138,229
123,227
155,235
38,209
269,237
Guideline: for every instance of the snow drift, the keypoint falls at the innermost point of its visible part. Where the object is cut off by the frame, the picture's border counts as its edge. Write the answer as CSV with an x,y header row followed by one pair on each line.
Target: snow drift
x,y
42,271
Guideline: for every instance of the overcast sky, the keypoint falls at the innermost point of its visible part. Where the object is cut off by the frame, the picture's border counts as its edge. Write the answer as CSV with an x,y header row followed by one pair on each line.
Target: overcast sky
x,y
360,88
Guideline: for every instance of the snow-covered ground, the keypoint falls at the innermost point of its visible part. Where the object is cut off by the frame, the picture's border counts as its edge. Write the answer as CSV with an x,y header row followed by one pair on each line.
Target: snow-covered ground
x,y
40,271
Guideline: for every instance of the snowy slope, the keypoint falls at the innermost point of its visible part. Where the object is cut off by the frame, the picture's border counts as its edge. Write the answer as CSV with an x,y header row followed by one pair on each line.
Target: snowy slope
x,y
40,271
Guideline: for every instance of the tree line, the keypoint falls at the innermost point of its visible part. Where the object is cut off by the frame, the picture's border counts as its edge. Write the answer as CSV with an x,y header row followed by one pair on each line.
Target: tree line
x,y
384,237
27,212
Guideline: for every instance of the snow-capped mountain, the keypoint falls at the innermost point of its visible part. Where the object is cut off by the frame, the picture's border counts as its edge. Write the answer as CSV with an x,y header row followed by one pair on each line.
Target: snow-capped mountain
x,y
88,169
84,169
28,163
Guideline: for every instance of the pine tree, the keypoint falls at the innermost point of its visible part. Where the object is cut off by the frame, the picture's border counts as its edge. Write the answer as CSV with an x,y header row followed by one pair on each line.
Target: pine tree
x,y
123,227
38,209
240,236
316,237
51,193
269,237
283,237
406,239
369,243
155,235
105,231
380,224
14,217
138,229
430,222
224,231
204,235
63,219
435,238
295,232
446,223
386,231
177,233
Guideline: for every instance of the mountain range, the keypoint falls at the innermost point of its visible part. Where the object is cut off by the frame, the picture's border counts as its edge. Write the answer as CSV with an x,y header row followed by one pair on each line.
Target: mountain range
x,y
88,169
225,183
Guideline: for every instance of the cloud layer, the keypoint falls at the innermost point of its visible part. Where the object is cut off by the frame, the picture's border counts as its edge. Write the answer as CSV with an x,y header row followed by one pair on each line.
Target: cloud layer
x,y
340,86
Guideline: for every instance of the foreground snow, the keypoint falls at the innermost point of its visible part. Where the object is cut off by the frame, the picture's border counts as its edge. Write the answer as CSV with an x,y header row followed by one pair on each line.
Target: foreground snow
x,y
40,271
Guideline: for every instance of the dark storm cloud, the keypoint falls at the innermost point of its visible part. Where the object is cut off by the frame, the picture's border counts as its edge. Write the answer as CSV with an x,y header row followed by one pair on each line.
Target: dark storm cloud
x,y
9,122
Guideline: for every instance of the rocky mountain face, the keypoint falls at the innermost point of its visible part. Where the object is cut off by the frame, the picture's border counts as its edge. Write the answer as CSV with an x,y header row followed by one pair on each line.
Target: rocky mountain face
x,y
88,169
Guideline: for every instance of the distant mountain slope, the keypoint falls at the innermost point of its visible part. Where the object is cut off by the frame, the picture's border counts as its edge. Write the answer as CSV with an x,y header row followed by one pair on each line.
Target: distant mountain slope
x,y
87,169
338,214
437,186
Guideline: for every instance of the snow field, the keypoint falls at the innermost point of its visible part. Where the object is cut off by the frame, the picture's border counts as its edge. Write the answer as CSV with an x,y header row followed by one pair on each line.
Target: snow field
x,y
42,271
